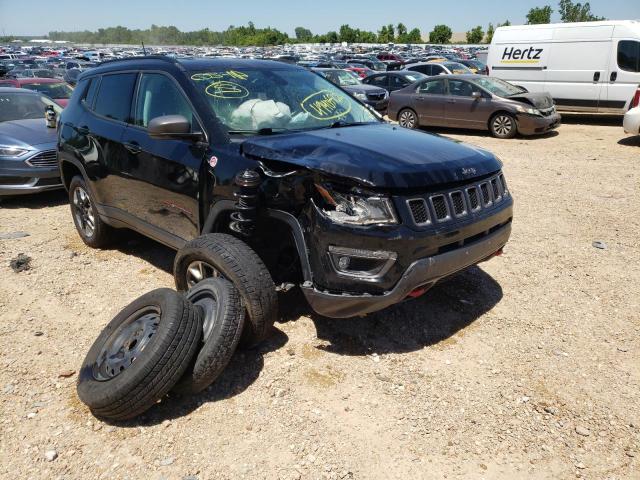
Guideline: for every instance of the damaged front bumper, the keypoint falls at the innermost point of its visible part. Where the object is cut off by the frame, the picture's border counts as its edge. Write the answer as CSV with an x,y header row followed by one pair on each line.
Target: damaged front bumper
x,y
421,274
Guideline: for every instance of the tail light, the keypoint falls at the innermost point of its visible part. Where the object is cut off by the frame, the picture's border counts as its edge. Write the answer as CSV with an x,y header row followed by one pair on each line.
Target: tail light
x,y
636,99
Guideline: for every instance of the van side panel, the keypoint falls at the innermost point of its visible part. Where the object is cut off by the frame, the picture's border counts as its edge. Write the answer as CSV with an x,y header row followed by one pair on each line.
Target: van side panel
x,y
621,84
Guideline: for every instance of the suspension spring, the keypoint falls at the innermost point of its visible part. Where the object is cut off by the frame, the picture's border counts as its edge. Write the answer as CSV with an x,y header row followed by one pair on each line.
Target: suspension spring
x,y
243,220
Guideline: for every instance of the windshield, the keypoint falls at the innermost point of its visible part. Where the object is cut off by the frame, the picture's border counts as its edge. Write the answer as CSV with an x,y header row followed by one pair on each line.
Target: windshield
x,y
22,106
340,77
414,76
456,67
250,100
53,90
497,87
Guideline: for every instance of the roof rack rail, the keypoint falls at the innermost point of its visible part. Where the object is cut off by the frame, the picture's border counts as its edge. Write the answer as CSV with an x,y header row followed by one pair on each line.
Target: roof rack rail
x,y
143,57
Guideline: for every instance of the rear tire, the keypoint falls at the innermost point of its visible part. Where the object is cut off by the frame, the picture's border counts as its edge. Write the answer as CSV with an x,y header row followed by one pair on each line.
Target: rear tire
x,y
140,355
503,125
93,231
407,118
220,254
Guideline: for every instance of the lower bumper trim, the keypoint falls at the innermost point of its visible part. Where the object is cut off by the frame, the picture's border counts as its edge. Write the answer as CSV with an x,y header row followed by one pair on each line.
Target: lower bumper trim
x,y
421,273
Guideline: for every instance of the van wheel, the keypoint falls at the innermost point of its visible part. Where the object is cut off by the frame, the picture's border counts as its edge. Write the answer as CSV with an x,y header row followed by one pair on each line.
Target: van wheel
x,y
407,118
223,255
93,231
503,125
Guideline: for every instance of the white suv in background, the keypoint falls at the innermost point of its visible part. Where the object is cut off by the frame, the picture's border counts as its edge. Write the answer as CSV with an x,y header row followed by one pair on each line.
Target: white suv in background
x,y
632,121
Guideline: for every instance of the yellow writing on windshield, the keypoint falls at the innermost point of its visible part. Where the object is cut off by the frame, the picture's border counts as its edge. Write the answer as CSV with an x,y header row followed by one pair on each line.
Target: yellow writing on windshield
x,y
325,105
218,75
226,89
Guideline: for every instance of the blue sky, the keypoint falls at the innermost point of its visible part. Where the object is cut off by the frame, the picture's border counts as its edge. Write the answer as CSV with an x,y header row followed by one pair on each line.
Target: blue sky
x,y
37,17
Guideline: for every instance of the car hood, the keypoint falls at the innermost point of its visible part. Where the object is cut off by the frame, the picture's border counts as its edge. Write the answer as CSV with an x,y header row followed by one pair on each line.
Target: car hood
x,y
378,155
25,133
537,99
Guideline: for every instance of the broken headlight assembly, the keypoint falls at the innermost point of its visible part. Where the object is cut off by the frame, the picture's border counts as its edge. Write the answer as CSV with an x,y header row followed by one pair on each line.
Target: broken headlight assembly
x,y
356,207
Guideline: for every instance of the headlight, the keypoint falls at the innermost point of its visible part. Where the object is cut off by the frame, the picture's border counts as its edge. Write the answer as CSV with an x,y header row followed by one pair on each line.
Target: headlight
x,y
360,96
10,151
530,111
356,208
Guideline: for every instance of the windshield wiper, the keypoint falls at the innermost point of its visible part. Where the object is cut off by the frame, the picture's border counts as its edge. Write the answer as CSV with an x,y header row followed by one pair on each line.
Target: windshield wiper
x,y
260,131
341,124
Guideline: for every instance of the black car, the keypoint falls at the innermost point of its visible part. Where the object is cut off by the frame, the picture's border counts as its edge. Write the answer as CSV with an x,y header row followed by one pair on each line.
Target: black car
x,y
376,97
28,161
392,81
271,176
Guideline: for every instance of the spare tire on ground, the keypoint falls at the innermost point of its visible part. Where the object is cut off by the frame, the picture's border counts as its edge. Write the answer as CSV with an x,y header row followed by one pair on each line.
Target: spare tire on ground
x,y
140,355
223,255
222,323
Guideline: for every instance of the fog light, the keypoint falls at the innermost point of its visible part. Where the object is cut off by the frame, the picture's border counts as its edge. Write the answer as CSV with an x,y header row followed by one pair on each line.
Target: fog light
x,y
362,264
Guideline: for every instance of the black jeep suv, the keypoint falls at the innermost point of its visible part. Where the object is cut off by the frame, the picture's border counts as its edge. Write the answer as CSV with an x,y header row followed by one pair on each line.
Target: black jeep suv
x,y
273,177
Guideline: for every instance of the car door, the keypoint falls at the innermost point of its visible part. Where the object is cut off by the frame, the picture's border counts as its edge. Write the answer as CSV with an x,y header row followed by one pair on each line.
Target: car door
x,y
429,102
623,77
162,174
464,110
101,130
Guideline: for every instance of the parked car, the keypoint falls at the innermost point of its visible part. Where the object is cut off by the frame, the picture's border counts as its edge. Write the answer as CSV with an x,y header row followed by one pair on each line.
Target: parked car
x,y
392,81
552,58
476,102
374,65
268,174
360,70
27,146
476,66
439,68
58,90
631,121
376,97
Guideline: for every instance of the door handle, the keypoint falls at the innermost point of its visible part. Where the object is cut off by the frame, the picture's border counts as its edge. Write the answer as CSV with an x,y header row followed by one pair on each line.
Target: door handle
x,y
82,130
596,76
133,147
451,101
420,98
614,76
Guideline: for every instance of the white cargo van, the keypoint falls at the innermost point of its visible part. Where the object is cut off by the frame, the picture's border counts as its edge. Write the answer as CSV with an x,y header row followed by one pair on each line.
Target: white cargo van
x,y
586,67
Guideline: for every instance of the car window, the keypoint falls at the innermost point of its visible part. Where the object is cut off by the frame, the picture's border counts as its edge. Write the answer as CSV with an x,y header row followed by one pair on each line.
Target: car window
x,y
399,82
436,70
378,81
629,55
426,69
432,87
461,88
114,96
158,95
53,90
90,92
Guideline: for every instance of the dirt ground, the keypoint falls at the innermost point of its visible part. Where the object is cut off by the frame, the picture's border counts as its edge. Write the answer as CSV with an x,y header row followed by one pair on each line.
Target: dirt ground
x,y
525,367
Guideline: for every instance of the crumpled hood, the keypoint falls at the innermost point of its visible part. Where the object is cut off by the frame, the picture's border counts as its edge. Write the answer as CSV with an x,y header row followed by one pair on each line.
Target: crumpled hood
x,y
381,155
537,99
24,133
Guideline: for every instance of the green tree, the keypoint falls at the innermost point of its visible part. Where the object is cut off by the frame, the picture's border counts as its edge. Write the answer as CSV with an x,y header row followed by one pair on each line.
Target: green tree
x,y
506,23
348,34
490,32
538,15
475,35
414,36
577,12
401,33
303,35
392,33
440,34
383,35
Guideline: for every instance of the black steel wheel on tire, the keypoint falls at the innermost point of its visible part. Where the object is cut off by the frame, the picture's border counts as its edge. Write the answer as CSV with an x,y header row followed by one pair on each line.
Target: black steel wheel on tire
x,y
140,355
407,118
93,231
220,254
222,322
503,125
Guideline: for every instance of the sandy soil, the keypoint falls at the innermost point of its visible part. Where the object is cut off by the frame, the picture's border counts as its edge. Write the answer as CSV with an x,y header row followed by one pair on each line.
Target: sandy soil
x,y
527,367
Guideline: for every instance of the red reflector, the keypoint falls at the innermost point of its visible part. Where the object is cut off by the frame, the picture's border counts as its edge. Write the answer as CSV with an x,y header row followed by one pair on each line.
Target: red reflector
x,y
417,292
636,99
498,253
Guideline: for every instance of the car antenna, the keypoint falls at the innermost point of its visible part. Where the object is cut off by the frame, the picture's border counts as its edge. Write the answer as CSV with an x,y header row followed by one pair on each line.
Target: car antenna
x,y
144,50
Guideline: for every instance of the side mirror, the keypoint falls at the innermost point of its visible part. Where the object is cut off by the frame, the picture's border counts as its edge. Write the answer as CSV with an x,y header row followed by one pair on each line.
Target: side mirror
x,y
170,126
476,95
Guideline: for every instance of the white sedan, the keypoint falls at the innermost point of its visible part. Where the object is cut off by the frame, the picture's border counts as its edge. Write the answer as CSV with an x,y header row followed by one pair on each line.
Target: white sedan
x,y
632,121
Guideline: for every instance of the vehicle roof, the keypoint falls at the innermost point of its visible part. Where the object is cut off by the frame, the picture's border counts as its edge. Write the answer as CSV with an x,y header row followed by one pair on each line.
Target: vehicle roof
x,y
28,80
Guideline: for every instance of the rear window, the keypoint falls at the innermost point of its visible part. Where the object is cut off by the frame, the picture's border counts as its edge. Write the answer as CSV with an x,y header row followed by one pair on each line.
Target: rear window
x,y
114,96
629,55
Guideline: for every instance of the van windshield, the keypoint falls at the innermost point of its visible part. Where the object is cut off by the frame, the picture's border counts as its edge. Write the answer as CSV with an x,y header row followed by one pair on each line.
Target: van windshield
x,y
253,101
497,87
